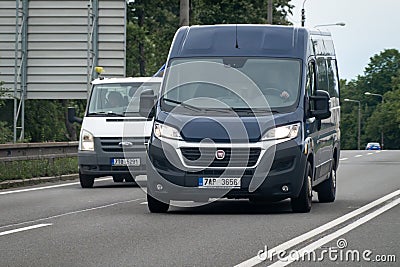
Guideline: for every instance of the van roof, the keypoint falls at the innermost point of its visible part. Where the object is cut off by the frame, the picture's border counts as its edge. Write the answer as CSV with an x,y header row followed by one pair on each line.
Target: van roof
x,y
127,80
252,40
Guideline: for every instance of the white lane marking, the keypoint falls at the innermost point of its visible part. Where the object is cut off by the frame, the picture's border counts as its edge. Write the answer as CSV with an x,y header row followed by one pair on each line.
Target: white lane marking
x,y
25,228
344,159
143,203
299,239
47,187
378,151
72,212
357,156
320,242
370,153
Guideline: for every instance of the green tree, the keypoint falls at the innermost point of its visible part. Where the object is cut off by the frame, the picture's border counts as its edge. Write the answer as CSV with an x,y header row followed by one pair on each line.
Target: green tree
x,y
380,71
386,118
381,76
6,134
151,26
226,11
44,121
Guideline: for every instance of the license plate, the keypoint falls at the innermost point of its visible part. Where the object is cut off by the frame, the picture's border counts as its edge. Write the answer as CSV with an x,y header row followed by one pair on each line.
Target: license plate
x,y
219,182
125,162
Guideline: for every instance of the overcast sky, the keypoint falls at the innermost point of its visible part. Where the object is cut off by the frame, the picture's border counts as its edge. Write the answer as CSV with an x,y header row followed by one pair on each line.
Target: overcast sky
x,y
371,27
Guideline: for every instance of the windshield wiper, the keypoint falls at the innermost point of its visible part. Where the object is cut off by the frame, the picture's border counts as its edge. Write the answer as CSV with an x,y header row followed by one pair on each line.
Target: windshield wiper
x,y
197,108
106,114
255,110
182,104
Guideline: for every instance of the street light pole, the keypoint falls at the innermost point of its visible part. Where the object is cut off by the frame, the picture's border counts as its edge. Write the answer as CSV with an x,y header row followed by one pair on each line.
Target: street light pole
x,y
303,15
359,120
269,12
381,96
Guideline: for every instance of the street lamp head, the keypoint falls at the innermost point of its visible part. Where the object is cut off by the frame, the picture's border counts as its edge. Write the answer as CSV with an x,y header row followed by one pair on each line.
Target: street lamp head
x,y
331,24
346,99
367,93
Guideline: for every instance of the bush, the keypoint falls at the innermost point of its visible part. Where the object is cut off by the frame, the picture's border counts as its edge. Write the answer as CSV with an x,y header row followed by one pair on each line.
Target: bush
x,y
24,169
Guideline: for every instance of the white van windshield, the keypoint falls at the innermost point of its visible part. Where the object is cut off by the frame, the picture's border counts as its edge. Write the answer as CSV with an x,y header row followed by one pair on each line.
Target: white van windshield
x,y
118,99
275,80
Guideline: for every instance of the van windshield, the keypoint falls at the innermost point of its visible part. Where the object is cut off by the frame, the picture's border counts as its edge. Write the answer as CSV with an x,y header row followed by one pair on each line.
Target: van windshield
x,y
232,83
118,99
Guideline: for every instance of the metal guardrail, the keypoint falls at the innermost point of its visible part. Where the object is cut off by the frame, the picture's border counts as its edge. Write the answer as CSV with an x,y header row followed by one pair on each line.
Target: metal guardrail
x,y
35,151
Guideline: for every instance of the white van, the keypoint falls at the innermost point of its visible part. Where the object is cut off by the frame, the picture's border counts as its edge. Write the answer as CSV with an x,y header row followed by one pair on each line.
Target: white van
x,y
113,106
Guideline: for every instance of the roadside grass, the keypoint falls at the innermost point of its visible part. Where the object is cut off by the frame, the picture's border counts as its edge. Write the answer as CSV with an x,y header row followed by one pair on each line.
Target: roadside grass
x,y
24,169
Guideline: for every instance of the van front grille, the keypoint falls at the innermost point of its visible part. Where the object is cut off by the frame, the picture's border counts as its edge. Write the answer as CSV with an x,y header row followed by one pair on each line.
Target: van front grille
x,y
234,157
113,144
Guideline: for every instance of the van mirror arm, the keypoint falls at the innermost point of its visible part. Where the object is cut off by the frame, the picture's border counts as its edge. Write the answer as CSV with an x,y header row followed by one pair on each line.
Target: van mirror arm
x,y
71,116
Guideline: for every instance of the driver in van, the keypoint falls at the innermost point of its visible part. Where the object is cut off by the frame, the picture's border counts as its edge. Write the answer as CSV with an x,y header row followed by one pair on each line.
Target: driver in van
x,y
115,99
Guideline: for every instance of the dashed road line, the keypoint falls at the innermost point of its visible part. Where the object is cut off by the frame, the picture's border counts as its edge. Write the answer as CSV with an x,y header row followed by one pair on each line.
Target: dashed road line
x,y
72,212
46,187
25,228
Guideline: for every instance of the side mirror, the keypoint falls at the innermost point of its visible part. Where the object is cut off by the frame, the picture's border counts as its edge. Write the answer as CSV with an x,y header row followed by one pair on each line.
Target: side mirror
x,y
71,116
147,99
321,105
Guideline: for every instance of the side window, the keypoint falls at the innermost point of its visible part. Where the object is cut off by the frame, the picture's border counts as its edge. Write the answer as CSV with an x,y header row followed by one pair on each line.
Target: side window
x,y
322,75
310,83
333,78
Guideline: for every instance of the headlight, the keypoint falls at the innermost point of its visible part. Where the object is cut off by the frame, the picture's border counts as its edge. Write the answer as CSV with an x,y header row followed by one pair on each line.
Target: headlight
x,y
162,130
86,141
287,131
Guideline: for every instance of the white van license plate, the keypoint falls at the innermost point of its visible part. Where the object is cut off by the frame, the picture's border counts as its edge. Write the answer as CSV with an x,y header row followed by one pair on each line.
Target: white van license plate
x,y
219,182
125,162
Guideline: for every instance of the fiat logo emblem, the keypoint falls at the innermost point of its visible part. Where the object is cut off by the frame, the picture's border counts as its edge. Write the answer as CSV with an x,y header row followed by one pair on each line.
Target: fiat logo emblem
x,y
220,154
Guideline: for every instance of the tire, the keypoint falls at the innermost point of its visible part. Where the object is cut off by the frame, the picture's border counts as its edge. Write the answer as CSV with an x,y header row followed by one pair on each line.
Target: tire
x,y
303,202
327,189
118,178
86,181
156,206
129,178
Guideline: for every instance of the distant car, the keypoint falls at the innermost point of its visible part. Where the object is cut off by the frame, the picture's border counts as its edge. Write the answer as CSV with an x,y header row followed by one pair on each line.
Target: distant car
x,y
373,146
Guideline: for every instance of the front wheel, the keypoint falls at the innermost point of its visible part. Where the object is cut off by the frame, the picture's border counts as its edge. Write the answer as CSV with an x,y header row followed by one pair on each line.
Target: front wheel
x,y
130,179
86,180
327,189
118,178
156,206
303,202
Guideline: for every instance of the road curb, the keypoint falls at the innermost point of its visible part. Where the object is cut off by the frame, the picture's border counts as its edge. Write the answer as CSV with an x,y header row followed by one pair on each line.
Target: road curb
x,y
36,180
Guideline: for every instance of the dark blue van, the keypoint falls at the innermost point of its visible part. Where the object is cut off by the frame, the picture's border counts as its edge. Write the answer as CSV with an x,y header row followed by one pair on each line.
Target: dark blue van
x,y
245,111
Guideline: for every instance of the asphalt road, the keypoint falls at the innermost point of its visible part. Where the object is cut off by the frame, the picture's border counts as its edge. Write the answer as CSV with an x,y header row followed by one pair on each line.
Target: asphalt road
x,y
109,225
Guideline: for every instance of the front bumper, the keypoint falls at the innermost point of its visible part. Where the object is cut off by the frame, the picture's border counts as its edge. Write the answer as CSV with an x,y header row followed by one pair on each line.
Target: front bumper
x,y
98,162
281,165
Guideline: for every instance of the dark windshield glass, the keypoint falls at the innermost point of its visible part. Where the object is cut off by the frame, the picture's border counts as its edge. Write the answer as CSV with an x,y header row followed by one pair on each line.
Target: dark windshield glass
x,y
265,83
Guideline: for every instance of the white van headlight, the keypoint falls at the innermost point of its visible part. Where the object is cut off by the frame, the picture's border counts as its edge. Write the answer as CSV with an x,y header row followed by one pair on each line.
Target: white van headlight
x,y
282,132
162,130
87,141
